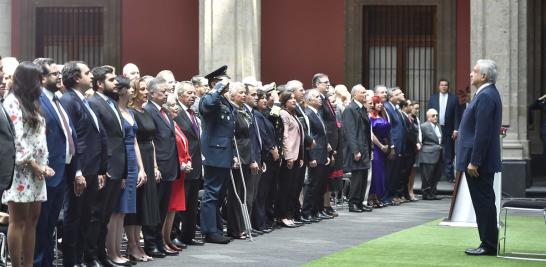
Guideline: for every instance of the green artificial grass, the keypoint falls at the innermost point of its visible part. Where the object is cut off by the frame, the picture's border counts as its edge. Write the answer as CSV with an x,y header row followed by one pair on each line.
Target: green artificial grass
x,y
433,245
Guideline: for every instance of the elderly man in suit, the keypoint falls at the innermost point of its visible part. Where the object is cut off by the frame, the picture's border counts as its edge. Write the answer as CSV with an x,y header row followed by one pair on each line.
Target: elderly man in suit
x,y
189,124
447,105
7,135
167,162
430,158
218,117
358,147
105,107
478,152
313,205
91,151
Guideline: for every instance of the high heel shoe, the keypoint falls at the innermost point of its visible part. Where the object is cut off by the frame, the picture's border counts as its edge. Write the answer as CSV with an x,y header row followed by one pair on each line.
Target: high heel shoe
x,y
133,258
287,223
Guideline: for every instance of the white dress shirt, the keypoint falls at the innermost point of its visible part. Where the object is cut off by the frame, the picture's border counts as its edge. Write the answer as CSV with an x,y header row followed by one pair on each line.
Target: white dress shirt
x,y
443,106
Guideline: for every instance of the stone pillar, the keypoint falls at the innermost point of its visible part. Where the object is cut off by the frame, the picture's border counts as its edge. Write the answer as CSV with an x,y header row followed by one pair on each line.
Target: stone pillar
x,y
5,28
229,34
499,32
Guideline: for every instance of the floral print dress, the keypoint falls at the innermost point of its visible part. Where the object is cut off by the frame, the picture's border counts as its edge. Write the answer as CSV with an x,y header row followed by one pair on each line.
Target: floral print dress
x,y
29,144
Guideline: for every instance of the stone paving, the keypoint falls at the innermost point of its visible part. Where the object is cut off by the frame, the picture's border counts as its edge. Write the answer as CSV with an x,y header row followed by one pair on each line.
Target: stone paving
x,y
293,247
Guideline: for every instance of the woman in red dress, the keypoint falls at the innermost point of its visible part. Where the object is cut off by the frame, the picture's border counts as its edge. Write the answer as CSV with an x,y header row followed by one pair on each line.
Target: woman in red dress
x,y
177,201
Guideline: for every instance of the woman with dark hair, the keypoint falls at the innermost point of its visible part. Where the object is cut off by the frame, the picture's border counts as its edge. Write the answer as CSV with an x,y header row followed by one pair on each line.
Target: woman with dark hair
x,y
381,130
292,159
28,188
147,199
135,178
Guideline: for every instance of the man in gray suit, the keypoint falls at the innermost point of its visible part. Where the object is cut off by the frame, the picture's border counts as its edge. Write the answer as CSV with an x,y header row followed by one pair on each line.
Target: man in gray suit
x,y
431,155
7,135
357,150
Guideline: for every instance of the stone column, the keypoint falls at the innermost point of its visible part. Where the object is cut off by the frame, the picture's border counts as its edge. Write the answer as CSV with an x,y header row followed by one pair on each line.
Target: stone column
x,y
499,32
229,34
5,28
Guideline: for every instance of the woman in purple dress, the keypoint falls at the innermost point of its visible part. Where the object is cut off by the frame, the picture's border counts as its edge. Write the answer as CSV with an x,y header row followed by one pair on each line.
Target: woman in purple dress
x,y
381,131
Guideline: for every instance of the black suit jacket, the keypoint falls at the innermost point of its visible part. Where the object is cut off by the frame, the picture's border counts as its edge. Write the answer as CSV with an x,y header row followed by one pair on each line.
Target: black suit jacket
x,y
166,152
451,120
357,137
185,125
7,143
330,120
117,156
91,147
318,132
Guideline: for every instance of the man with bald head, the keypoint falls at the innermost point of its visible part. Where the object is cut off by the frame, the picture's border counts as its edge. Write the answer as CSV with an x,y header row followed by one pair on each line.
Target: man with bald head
x,y
131,71
430,160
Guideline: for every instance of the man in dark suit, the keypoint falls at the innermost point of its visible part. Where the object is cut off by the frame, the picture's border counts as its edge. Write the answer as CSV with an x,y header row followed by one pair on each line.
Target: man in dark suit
x,y
61,144
478,152
7,143
167,162
313,204
447,106
412,145
333,126
91,151
218,118
398,143
430,158
190,125
358,147
103,103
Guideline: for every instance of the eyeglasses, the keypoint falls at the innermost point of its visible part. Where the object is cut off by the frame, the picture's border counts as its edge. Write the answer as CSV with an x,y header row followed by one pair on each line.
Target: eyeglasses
x,y
324,82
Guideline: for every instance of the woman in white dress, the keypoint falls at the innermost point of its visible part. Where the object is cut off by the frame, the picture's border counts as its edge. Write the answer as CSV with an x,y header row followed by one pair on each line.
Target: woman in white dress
x,y
28,190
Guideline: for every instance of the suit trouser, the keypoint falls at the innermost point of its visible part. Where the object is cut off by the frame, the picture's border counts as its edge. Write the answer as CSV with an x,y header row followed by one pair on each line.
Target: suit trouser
x,y
234,215
264,196
300,184
107,199
313,200
359,182
153,234
77,220
483,200
189,216
449,151
214,184
49,217
406,164
430,174
392,177
287,191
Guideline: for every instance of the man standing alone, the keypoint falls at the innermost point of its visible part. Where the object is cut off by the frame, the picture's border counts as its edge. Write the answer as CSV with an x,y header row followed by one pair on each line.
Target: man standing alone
x,y
478,152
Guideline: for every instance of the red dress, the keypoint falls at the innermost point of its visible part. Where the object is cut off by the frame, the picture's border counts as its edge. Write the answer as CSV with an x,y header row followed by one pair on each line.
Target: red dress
x,y
178,196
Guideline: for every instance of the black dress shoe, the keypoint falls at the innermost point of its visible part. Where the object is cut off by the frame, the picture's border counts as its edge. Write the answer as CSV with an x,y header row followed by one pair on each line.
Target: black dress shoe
x,y
168,253
179,243
267,230
481,251
354,208
304,219
315,218
194,242
435,197
325,216
93,263
331,211
365,208
217,239
154,253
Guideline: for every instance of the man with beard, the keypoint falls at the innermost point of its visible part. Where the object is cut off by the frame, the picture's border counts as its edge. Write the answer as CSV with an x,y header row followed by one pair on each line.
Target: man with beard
x,y
104,104
78,228
61,140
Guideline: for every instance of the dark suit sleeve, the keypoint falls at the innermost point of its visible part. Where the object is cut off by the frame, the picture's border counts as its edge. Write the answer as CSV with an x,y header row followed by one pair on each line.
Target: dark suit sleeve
x,y
104,150
484,130
210,102
350,124
73,114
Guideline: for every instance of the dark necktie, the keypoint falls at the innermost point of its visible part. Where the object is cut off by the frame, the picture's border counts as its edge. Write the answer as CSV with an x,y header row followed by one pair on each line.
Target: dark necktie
x,y
71,148
164,115
194,123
